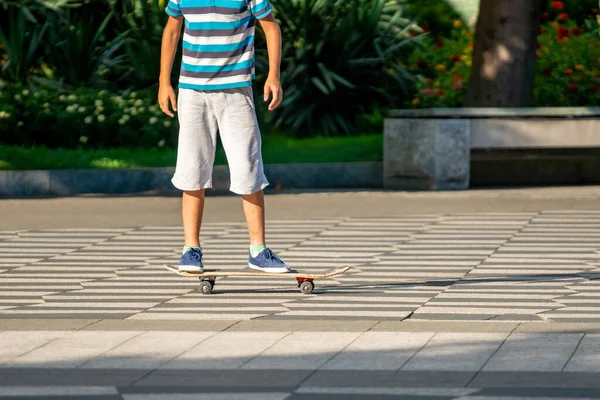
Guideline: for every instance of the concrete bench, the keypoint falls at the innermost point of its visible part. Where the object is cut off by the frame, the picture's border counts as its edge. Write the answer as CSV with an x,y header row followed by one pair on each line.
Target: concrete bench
x,y
430,149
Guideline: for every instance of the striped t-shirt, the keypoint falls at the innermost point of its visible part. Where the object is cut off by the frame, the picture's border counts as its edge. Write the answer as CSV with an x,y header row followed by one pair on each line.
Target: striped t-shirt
x,y
218,41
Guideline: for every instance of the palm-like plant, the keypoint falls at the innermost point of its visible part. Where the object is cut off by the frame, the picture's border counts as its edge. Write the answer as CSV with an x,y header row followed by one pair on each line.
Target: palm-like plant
x,y
21,40
338,57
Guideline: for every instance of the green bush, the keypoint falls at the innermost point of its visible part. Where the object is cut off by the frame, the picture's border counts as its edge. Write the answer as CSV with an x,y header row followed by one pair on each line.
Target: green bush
x,y
339,58
83,118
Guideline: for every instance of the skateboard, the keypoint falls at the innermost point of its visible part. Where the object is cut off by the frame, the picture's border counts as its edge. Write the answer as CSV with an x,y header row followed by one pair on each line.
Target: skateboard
x,y
208,277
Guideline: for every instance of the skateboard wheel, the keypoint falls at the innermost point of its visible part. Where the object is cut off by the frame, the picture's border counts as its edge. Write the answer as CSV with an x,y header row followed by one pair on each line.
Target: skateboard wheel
x,y
206,287
307,287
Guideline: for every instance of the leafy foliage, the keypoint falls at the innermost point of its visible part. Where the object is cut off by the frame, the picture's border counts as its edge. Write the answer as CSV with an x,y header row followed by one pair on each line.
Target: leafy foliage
x,y
336,55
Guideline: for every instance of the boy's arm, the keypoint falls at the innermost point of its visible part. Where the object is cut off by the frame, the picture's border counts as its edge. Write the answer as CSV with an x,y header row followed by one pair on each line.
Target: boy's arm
x,y
273,84
170,40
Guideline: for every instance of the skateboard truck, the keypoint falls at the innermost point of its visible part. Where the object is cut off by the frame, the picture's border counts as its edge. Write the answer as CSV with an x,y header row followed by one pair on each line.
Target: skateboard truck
x,y
306,285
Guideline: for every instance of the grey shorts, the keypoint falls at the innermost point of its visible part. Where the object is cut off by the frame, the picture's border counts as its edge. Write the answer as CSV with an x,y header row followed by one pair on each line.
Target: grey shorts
x,y
230,112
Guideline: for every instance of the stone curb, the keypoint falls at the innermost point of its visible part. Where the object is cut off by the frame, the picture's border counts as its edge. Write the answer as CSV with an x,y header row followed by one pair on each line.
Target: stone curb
x,y
355,175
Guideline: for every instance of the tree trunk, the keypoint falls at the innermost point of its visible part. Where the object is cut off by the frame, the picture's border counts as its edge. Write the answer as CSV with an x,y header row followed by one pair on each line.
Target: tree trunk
x,y
504,54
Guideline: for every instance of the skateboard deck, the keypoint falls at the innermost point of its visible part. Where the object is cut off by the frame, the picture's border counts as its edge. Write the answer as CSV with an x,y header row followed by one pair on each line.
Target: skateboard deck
x,y
208,277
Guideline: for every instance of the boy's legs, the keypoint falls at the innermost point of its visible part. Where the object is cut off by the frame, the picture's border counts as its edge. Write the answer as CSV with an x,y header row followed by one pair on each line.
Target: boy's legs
x,y
192,208
241,139
193,173
254,210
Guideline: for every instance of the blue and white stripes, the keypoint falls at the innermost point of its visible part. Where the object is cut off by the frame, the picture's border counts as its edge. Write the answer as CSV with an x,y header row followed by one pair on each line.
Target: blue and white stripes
x,y
218,41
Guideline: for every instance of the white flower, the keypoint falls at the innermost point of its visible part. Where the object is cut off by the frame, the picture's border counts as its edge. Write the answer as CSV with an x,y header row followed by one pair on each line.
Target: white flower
x,y
20,124
101,118
88,120
122,121
3,114
36,95
98,103
102,93
153,120
62,97
83,139
18,97
99,110
133,95
2,84
126,117
141,109
133,111
153,108
46,105
167,124
71,108
161,143
81,109
118,99
71,97
138,103
25,92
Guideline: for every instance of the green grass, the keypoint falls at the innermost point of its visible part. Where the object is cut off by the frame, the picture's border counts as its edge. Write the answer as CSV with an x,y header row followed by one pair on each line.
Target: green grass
x,y
276,150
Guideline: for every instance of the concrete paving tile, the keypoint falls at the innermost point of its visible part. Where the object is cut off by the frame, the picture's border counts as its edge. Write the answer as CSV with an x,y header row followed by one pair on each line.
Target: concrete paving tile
x,y
148,351
46,391
210,396
302,325
44,324
456,351
72,350
70,377
444,326
587,356
387,391
225,350
15,343
561,327
534,352
534,379
378,351
228,378
159,325
302,350
404,379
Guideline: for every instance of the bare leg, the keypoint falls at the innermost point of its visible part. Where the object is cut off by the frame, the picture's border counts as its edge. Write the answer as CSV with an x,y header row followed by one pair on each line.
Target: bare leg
x,y
254,210
191,211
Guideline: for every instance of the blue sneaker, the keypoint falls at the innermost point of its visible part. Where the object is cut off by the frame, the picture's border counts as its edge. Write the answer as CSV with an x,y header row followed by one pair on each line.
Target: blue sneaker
x,y
267,261
191,261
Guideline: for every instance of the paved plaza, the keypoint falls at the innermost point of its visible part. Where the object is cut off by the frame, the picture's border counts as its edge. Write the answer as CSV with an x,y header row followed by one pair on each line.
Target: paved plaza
x,y
471,295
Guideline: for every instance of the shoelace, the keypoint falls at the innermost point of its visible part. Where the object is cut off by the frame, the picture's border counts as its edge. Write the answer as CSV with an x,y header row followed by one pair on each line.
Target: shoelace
x,y
270,256
195,254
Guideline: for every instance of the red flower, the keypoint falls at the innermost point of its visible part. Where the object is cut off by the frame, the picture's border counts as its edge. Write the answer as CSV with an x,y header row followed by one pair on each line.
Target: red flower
x,y
439,44
563,16
547,71
458,85
576,31
421,64
558,5
594,89
440,92
545,16
573,86
543,31
427,91
426,28
568,71
538,45
563,31
455,58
